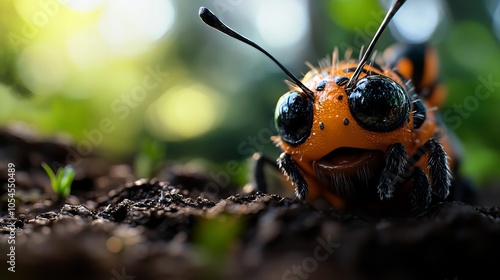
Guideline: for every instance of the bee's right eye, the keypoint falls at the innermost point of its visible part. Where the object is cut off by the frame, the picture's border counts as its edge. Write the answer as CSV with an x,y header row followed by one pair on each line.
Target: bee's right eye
x,y
379,104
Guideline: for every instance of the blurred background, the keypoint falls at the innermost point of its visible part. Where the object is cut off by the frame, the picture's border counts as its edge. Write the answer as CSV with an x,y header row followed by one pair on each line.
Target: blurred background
x,y
148,81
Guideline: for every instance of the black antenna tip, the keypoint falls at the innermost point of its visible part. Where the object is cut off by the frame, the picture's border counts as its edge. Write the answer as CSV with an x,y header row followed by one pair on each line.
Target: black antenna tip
x,y
203,11
208,17
211,20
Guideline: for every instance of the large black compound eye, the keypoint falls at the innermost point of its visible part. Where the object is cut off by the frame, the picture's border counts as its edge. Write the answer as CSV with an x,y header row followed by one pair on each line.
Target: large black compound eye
x,y
294,117
379,104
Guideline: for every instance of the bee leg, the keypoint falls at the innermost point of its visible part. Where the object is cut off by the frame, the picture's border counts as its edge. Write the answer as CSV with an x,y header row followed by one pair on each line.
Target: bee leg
x,y
394,168
420,196
259,162
439,170
289,168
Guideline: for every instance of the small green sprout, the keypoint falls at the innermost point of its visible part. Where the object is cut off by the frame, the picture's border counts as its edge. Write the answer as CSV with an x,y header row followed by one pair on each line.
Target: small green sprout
x,y
61,183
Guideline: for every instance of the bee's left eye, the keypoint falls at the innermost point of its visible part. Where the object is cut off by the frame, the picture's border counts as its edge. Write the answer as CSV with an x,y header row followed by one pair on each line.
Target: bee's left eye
x,y
379,104
294,117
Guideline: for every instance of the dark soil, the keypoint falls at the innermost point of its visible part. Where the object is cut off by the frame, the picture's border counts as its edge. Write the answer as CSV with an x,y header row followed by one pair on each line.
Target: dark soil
x,y
115,227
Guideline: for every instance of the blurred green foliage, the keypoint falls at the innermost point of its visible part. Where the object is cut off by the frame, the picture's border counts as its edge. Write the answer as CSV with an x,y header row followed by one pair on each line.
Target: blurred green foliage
x,y
105,73
150,158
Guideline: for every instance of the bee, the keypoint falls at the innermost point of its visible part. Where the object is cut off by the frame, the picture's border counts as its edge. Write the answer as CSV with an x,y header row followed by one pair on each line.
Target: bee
x,y
359,134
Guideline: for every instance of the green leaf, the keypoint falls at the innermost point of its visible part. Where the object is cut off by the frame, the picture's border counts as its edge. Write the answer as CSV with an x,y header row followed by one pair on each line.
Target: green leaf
x,y
67,179
51,174
61,182
59,189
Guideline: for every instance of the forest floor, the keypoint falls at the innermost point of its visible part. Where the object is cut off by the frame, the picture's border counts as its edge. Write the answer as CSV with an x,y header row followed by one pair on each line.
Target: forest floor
x,y
114,227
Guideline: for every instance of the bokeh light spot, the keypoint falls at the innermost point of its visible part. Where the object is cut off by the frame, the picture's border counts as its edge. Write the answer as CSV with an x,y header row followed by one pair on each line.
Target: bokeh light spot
x,y
129,27
417,20
496,21
185,112
87,50
41,69
82,6
286,27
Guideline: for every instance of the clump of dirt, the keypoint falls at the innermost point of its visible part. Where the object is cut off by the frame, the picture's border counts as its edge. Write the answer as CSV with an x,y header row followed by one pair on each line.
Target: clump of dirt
x,y
113,227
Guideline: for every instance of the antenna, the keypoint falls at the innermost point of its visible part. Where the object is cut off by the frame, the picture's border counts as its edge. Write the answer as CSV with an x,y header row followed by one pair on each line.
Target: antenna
x,y
211,20
392,11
